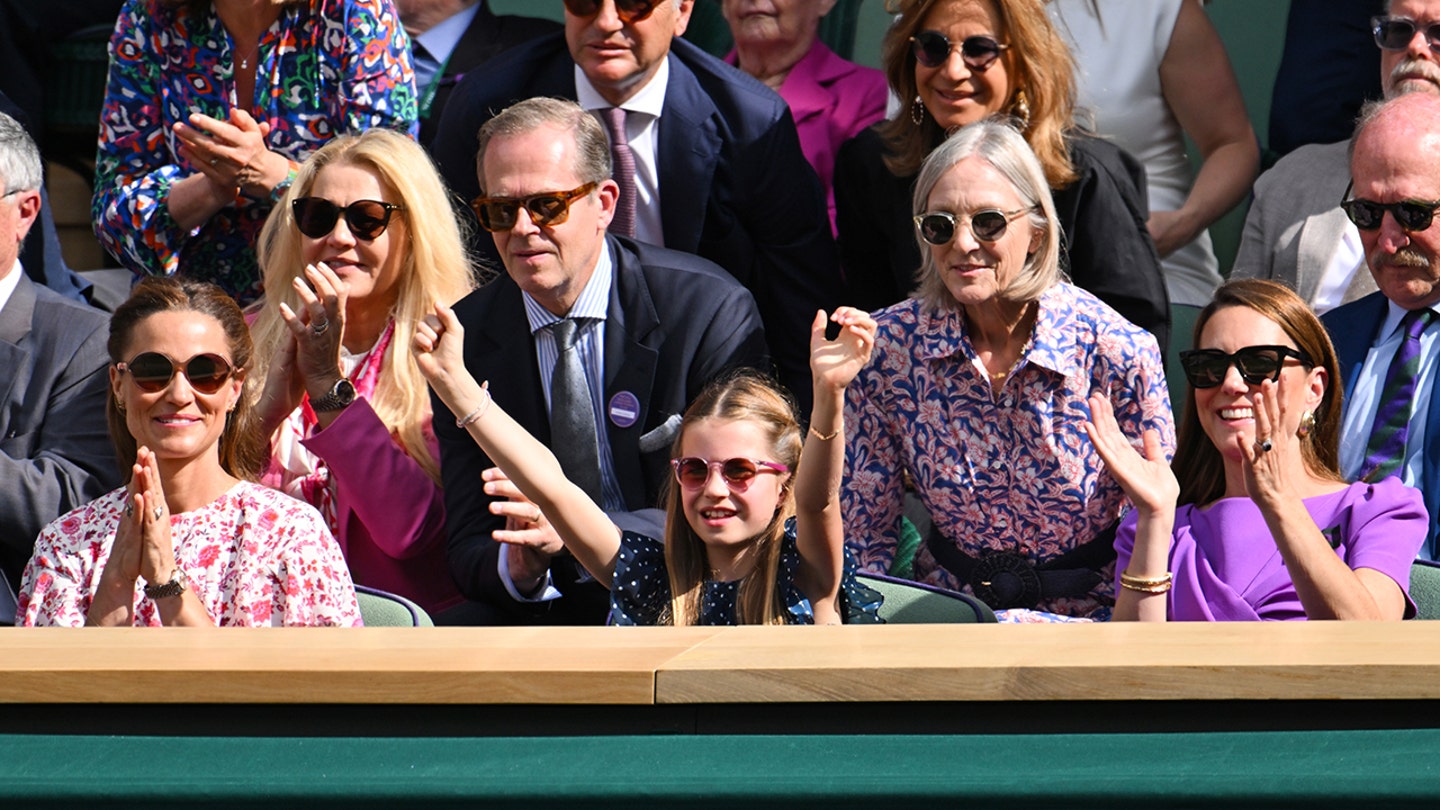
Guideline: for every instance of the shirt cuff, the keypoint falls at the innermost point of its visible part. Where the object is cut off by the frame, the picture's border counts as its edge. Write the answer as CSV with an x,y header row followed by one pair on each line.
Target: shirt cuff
x,y
547,591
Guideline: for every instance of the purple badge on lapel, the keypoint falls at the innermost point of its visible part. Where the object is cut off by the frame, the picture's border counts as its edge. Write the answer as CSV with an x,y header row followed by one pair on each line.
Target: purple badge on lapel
x,y
624,409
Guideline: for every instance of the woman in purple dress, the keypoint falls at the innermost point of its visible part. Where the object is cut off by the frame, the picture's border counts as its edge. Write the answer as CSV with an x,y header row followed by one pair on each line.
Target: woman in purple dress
x,y
1266,527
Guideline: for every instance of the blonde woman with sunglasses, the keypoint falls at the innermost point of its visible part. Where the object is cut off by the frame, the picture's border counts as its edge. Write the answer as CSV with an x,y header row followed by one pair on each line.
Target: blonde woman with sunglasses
x,y
362,246
190,539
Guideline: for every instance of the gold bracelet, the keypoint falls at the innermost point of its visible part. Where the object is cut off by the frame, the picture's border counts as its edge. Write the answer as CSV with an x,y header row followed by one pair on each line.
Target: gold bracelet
x,y
474,416
825,437
1159,584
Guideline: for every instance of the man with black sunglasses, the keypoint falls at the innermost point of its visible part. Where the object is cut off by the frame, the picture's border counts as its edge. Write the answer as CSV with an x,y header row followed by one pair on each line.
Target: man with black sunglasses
x,y
55,452
1388,343
1295,231
715,166
595,343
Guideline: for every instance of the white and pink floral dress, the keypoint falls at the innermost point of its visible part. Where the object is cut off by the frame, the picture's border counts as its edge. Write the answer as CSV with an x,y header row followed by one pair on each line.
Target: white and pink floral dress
x,y
254,557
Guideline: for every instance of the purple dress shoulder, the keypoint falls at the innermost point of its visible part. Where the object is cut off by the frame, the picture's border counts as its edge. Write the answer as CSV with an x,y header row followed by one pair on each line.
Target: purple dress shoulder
x,y
1228,568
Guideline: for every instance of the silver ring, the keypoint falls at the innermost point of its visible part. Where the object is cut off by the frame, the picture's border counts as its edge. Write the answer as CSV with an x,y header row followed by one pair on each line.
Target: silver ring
x,y
214,161
129,510
319,328
159,512
1264,446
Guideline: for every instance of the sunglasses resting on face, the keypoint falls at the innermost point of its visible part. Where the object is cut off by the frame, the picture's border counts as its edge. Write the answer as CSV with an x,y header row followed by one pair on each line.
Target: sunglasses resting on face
x,y
548,208
693,472
152,371
1396,33
1412,215
1206,368
987,225
932,49
628,11
367,219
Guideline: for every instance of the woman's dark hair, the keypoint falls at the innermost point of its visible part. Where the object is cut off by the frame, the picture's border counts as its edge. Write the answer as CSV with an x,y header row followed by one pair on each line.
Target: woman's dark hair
x,y
243,450
1198,464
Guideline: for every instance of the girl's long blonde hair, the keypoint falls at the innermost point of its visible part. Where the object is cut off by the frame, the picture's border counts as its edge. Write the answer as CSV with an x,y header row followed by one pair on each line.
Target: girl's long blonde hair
x,y
435,269
745,396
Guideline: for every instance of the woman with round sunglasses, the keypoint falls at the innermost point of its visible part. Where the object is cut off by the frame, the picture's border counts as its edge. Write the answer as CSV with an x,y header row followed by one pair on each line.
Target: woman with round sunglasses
x,y
362,247
190,539
955,62
752,533
209,109
977,395
1265,527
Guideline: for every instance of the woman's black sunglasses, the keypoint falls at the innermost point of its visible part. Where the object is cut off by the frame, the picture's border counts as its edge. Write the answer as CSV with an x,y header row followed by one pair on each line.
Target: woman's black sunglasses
x,y
987,224
932,49
152,371
367,219
1206,368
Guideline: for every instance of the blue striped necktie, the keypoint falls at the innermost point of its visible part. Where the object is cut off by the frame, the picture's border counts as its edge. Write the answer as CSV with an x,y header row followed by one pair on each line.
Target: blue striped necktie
x,y
1385,451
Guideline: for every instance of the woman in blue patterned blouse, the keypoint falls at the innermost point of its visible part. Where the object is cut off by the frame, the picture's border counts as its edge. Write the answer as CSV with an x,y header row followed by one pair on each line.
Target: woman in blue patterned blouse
x,y
211,106
977,392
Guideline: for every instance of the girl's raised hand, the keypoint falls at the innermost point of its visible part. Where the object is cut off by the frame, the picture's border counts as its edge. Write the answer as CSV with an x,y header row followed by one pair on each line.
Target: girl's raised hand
x,y
439,346
834,363
1147,480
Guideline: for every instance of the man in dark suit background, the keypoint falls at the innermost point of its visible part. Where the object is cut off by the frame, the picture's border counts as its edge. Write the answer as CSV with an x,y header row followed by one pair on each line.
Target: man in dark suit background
x,y
55,453
1395,164
718,166
653,325
449,37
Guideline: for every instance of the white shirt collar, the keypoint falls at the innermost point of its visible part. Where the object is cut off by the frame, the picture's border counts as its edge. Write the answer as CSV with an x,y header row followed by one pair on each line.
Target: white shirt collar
x,y
650,100
10,282
1393,315
440,39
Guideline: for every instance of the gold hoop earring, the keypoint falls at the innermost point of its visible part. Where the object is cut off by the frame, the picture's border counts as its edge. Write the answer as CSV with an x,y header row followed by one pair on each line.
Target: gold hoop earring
x,y
1021,109
119,405
1307,424
917,111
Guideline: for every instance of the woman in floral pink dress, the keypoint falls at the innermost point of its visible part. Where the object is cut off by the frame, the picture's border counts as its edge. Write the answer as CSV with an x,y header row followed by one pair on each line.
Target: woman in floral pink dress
x,y
189,540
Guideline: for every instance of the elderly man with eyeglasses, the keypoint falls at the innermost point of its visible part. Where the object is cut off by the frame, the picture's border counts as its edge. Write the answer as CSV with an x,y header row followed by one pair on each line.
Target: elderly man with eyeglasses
x,y
1388,342
594,342
1295,232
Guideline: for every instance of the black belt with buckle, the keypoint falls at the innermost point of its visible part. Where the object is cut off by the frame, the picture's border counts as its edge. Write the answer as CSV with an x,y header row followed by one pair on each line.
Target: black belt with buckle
x,y
1004,579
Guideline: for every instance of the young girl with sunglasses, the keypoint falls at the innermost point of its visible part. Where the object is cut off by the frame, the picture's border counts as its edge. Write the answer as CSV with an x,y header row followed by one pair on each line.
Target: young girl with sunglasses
x,y
1266,527
754,533
190,539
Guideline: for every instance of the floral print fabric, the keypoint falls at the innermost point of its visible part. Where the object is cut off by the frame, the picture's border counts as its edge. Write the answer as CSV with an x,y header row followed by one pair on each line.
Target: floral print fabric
x,y
640,588
1011,470
254,557
325,68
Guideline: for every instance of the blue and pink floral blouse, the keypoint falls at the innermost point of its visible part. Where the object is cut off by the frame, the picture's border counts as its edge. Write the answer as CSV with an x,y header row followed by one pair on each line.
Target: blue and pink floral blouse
x,y
326,67
1013,471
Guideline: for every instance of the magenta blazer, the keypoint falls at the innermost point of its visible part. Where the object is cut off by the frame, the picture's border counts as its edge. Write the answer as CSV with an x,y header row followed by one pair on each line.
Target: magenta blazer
x,y
831,100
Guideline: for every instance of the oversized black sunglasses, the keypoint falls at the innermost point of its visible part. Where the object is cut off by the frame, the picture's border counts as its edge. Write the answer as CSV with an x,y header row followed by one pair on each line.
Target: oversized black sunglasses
x,y
550,208
692,471
932,49
1206,368
1413,215
367,219
1395,33
987,224
628,11
152,371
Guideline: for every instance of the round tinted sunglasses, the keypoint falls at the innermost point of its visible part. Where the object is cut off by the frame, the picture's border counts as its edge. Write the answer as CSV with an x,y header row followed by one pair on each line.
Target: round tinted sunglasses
x,y
366,219
1206,368
152,371
550,208
987,224
1395,33
628,11
932,49
692,472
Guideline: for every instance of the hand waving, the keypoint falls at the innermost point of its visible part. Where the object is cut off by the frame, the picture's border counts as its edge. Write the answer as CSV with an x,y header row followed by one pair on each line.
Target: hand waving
x,y
834,363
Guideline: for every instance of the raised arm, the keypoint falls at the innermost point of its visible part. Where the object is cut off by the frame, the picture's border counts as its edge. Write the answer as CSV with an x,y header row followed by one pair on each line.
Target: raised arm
x,y
820,528
529,464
